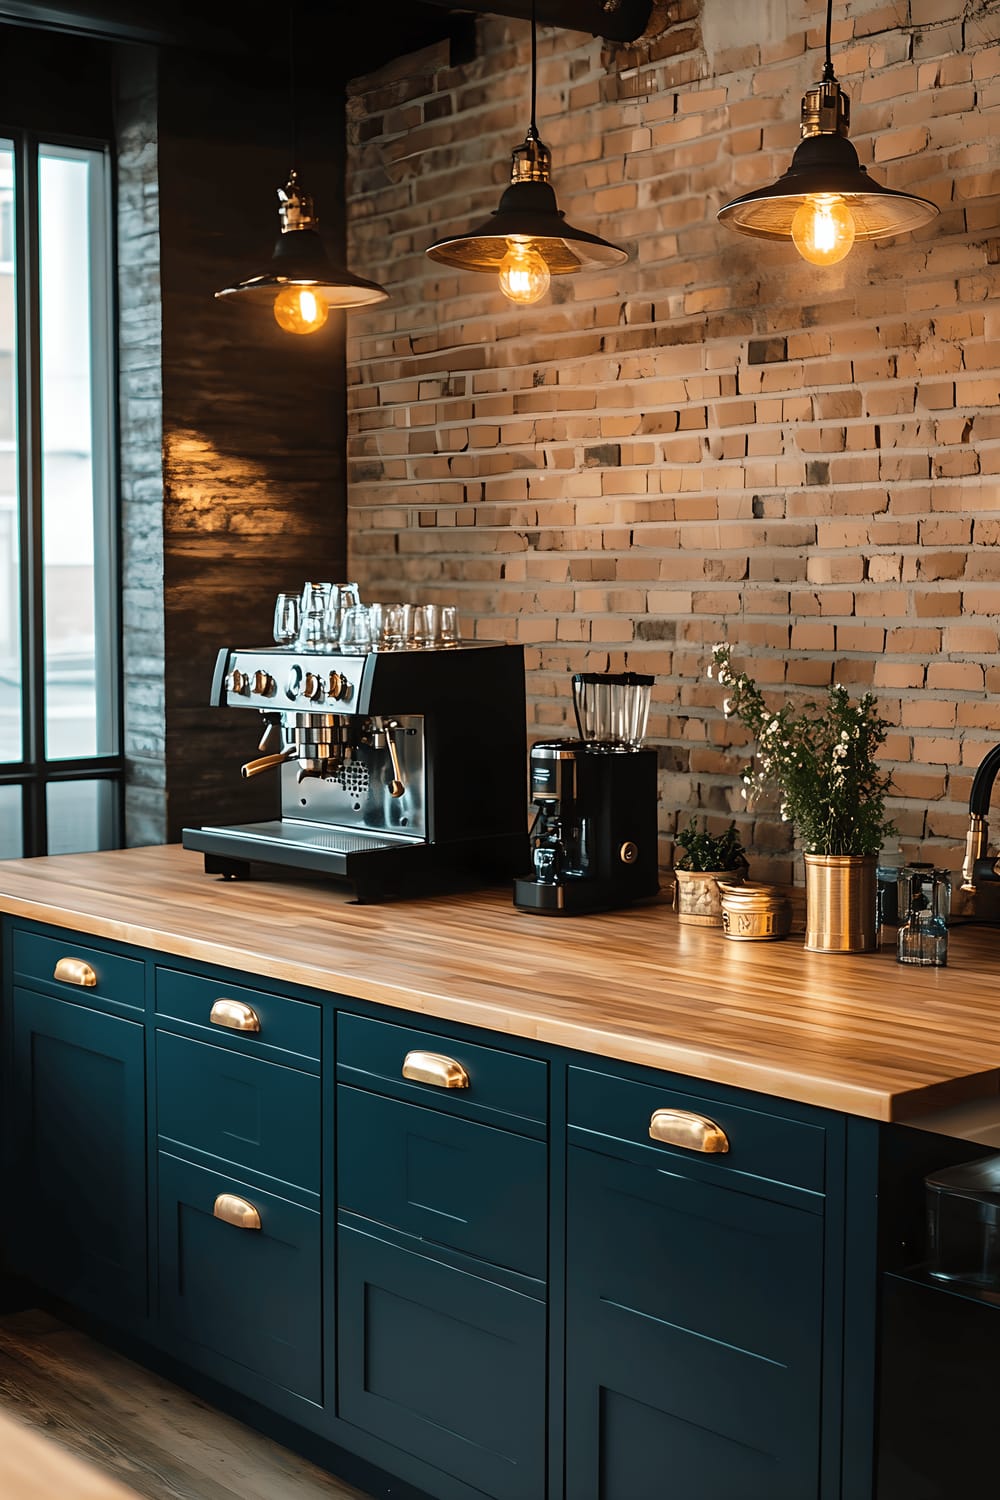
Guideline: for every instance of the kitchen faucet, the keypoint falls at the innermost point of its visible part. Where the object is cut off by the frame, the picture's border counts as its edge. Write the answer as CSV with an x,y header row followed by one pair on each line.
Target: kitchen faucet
x,y
980,873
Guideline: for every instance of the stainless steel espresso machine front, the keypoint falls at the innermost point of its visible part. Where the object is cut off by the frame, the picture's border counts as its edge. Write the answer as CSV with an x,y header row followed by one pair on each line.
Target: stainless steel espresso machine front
x,y
397,768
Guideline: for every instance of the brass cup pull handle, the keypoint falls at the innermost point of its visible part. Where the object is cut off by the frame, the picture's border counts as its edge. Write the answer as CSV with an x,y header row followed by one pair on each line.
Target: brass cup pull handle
x,y
433,1067
234,1015
236,1211
75,971
679,1127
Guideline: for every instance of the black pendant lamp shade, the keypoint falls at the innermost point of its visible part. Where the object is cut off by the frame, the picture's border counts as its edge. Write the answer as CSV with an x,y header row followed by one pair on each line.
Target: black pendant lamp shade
x,y
528,222
528,212
300,260
826,169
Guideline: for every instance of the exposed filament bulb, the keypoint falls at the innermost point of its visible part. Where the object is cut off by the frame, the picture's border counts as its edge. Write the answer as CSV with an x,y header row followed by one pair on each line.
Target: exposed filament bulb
x,y
823,229
524,276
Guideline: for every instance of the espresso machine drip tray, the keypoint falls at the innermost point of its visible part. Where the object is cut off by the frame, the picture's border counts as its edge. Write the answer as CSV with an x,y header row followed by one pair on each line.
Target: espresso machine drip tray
x,y
287,834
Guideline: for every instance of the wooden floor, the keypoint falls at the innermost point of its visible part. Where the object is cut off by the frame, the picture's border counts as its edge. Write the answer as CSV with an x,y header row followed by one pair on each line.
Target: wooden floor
x,y
143,1431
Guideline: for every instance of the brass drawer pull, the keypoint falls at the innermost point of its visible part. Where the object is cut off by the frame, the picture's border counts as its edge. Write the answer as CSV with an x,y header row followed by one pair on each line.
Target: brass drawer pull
x,y
237,1211
75,971
235,1015
679,1127
432,1067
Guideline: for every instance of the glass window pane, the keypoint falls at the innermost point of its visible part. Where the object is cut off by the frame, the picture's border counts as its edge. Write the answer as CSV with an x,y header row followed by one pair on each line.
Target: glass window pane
x,y
81,816
10,586
79,713
11,831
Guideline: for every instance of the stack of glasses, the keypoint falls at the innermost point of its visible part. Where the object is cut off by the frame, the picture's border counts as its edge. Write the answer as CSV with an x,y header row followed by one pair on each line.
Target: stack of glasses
x,y
331,617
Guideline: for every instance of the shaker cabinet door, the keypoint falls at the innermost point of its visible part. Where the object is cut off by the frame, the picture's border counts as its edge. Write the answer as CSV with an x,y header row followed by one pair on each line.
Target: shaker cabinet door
x,y
447,1366
240,1282
78,1143
694,1339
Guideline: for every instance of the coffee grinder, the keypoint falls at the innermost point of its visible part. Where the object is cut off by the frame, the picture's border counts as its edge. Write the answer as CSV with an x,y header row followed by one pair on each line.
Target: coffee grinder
x,y
593,840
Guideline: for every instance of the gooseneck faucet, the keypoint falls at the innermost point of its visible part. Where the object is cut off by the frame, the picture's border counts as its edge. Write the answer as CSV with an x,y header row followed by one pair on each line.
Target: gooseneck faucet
x,y
976,866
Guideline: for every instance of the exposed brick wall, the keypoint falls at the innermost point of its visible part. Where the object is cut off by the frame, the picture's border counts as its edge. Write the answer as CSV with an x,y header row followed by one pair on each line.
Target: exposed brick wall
x,y
715,439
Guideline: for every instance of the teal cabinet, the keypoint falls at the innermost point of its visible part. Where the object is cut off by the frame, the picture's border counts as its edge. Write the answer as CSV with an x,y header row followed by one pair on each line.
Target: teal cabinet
x,y
77,1154
479,1265
443,1364
693,1338
442,1247
240,1281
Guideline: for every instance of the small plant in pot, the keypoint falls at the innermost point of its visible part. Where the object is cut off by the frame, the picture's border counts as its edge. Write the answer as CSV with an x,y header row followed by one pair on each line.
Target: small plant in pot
x,y
706,858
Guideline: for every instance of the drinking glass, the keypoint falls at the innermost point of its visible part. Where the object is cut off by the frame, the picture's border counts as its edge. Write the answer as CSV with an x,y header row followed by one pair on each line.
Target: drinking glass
x,y
286,619
426,624
384,620
449,625
312,628
355,630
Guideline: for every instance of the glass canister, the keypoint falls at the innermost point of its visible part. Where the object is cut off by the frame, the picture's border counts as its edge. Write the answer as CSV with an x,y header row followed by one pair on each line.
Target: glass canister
x,y
924,908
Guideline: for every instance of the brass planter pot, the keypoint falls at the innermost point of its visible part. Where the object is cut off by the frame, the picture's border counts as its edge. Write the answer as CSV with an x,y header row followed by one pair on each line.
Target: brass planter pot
x,y
840,903
696,896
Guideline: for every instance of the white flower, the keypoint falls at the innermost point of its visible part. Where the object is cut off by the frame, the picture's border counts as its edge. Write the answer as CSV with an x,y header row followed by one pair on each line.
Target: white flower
x,y
844,734
727,706
711,673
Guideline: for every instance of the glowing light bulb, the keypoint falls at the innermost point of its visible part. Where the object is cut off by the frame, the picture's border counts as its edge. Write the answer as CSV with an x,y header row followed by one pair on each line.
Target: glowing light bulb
x,y
524,276
298,309
823,229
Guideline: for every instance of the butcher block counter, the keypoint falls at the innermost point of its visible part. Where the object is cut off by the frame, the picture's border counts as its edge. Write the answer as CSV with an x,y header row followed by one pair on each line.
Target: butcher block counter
x,y
518,1189
859,1034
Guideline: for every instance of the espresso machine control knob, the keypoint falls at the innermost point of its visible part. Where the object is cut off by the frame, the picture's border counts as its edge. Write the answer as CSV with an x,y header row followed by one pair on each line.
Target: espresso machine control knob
x,y
312,687
339,687
628,853
263,684
293,683
237,682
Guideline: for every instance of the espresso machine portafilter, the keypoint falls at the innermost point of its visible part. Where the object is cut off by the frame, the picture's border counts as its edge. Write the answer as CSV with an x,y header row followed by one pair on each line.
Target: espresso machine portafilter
x,y
396,768
594,836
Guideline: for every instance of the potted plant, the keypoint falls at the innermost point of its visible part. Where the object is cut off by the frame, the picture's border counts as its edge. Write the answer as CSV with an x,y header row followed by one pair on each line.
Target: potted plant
x,y
822,757
706,858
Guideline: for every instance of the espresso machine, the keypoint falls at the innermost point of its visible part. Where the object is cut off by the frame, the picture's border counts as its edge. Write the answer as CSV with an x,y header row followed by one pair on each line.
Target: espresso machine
x,y
593,840
398,769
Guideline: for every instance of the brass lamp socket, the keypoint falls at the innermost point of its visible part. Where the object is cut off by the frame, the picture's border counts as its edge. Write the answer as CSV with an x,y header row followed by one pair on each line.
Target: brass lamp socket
x,y
826,110
531,162
295,207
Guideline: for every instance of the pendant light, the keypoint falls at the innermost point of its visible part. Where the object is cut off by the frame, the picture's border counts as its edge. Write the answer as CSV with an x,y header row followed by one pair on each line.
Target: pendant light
x,y
300,282
826,201
526,240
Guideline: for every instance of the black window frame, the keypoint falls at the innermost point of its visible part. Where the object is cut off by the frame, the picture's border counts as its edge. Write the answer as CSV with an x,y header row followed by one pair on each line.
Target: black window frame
x,y
35,773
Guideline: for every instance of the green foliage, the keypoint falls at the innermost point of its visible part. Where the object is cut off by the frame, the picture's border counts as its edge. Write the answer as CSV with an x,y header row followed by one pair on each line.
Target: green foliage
x,y
822,759
703,851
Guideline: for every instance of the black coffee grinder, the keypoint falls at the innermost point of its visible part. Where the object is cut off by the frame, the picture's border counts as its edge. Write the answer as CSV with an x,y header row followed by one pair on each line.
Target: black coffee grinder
x,y
593,840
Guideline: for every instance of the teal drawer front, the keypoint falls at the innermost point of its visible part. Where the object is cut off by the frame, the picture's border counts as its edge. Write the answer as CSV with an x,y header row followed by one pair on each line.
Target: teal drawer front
x,y
257,1114
373,1053
90,973
448,1181
760,1144
443,1365
277,1023
250,1297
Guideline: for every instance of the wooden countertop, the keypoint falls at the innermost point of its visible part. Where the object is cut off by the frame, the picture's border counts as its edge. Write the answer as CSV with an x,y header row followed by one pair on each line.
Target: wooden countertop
x,y
853,1033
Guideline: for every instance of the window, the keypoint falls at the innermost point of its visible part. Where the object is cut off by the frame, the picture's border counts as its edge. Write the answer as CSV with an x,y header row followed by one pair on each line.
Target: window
x,y
61,767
